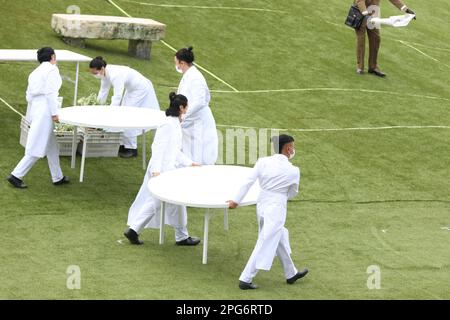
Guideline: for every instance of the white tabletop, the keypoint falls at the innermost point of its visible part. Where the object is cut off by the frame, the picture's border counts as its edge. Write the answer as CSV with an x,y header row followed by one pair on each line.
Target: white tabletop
x,y
31,55
113,118
203,187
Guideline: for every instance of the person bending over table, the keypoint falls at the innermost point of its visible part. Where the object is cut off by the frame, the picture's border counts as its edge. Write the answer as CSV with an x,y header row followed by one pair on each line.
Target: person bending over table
x,y
131,89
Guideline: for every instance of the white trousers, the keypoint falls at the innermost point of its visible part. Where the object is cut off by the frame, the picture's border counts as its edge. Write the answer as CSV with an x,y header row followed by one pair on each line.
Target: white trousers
x,y
147,213
129,142
250,269
27,162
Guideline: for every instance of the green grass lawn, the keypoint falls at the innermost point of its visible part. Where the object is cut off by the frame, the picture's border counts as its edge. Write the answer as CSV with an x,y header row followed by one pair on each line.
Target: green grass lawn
x,y
368,197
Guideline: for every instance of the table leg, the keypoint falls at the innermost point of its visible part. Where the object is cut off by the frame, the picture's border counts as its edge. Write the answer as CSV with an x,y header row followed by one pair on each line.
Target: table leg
x,y
205,237
144,151
76,85
162,222
74,147
83,155
225,219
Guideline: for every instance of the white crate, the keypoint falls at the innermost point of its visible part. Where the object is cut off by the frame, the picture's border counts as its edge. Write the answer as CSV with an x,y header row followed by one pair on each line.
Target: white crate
x,y
100,143
64,138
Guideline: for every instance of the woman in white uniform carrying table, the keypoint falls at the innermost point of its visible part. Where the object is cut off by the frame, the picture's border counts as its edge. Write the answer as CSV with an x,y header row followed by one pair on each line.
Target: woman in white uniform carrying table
x,y
166,155
279,181
42,97
131,89
200,141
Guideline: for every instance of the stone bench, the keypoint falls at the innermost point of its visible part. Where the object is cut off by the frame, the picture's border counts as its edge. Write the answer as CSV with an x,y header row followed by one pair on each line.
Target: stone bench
x,y
75,28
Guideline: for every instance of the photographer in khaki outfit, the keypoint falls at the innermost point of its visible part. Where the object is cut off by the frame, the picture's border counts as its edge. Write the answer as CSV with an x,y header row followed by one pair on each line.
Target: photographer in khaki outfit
x,y
365,6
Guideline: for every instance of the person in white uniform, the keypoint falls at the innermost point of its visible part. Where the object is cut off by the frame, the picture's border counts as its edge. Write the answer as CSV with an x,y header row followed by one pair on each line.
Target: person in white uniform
x,y
42,111
279,181
200,141
166,155
131,89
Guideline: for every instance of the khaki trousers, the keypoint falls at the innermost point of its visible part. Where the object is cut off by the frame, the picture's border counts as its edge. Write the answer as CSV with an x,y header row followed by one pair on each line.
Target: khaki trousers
x,y
374,46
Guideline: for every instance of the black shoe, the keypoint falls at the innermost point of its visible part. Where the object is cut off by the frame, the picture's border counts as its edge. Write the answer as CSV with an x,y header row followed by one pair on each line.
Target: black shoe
x,y
64,180
377,73
188,242
131,235
299,275
16,182
121,148
128,153
247,286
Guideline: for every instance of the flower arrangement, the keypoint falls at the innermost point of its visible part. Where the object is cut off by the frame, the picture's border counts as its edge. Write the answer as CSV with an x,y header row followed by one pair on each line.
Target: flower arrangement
x,y
90,100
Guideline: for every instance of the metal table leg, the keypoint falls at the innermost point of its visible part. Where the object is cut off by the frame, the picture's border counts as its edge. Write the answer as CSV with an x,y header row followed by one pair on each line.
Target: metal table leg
x,y
205,237
162,222
225,219
144,151
74,147
76,85
83,155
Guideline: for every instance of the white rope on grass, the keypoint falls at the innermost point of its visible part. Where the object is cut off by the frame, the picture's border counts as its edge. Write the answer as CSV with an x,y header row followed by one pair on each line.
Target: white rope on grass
x,y
11,107
173,49
331,90
202,7
336,129
422,53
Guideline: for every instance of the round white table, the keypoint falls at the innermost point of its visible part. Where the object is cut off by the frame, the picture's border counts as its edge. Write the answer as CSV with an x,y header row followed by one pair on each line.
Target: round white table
x,y
202,187
109,118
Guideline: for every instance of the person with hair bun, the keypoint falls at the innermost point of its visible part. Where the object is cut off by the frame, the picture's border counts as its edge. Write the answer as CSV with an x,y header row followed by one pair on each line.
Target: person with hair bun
x,y
131,89
200,141
166,156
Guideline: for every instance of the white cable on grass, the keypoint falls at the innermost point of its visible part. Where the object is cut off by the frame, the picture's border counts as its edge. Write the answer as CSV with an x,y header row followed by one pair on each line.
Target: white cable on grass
x,y
11,107
202,7
423,53
173,49
336,129
332,89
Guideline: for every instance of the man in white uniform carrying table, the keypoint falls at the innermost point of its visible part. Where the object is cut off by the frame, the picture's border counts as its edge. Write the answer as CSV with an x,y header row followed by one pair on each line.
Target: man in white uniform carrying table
x,y
42,97
279,181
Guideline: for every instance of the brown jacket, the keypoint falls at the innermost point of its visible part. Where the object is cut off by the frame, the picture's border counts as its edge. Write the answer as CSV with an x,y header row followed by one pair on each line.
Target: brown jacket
x,y
363,4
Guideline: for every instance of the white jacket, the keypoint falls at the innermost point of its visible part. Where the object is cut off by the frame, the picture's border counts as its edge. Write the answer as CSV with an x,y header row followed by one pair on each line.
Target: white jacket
x,y
131,88
166,156
279,181
200,141
42,97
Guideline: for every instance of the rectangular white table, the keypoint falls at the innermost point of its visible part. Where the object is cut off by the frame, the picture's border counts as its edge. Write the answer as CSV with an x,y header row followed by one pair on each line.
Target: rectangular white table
x,y
30,55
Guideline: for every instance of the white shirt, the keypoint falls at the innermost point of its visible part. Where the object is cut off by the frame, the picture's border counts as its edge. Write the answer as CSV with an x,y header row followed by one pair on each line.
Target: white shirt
x,y
120,78
194,87
45,81
275,174
166,148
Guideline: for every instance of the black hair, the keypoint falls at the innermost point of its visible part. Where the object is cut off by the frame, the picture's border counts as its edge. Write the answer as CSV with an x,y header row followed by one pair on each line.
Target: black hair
x,y
176,101
185,54
97,63
280,141
45,54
